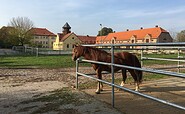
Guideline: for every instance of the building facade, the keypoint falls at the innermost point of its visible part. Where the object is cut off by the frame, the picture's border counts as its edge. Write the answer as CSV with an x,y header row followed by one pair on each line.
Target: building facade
x,y
67,39
148,35
43,38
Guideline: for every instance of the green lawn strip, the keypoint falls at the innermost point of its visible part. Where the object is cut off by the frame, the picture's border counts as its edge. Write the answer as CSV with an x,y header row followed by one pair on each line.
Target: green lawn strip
x,y
160,62
63,61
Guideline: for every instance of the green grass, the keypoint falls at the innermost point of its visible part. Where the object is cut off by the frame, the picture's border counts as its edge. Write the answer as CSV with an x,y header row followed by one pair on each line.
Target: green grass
x,y
63,61
160,62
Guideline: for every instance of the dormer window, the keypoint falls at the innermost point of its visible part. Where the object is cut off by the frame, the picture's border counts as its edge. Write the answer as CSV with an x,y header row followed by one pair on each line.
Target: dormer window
x,y
113,40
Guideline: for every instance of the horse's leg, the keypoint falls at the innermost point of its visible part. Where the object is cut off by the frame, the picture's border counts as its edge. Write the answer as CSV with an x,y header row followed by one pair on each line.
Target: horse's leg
x,y
124,76
136,79
100,85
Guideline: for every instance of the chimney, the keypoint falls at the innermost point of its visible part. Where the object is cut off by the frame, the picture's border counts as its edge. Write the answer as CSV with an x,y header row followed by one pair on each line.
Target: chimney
x,y
156,26
127,29
141,28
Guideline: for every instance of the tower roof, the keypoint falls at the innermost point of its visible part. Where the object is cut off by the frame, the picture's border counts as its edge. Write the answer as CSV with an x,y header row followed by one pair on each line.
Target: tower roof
x,y
66,26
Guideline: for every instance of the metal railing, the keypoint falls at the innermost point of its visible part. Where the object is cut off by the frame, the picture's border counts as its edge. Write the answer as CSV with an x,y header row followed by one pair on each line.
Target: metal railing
x,y
173,50
170,73
40,51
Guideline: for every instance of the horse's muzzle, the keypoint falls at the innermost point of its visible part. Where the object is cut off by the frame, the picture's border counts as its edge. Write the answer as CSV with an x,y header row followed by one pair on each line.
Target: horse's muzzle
x,y
74,58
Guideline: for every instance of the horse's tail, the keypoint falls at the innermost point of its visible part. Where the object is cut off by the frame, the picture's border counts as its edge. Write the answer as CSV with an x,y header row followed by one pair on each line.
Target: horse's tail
x,y
139,73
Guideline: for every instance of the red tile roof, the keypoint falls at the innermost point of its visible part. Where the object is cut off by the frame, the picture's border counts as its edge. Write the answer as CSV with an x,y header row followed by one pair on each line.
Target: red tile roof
x,y
139,34
42,32
87,38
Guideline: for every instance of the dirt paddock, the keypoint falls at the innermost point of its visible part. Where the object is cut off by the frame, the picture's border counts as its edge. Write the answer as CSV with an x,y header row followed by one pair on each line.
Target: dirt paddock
x,y
18,88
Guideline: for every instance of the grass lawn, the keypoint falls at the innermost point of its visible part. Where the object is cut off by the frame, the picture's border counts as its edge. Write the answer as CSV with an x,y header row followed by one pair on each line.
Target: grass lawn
x,y
38,62
62,61
160,62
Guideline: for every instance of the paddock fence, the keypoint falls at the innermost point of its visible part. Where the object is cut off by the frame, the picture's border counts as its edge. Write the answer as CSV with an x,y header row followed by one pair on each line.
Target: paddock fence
x,y
39,51
142,49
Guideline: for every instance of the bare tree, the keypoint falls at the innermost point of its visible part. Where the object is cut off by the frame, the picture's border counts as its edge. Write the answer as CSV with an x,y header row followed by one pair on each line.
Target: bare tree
x,y
20,34
173,34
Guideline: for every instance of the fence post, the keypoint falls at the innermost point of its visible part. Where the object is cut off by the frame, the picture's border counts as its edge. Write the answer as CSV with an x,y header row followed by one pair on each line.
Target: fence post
x,y
142,57
77,65
25,49
178,61
37,52
112,70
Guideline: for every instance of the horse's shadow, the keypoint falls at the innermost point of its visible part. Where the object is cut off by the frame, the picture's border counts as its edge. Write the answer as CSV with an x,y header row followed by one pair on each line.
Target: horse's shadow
x,y
175,90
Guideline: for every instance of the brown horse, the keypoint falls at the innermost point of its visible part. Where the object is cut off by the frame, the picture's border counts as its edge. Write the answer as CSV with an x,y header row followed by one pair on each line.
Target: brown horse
x,y
123,58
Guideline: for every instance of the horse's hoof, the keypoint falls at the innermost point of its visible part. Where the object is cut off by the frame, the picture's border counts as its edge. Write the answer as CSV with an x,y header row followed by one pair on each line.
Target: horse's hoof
x,y
137,90
97,92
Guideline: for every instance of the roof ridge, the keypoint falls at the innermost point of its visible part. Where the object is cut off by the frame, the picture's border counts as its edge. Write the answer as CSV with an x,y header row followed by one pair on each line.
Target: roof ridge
x,y
139,33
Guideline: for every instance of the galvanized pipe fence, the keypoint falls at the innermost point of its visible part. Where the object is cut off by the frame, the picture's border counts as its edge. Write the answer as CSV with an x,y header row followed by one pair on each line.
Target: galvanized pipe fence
x,y
169,73
178,59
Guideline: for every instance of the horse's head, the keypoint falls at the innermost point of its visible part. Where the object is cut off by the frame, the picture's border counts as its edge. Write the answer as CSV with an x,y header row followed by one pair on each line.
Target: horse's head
x,y
77,52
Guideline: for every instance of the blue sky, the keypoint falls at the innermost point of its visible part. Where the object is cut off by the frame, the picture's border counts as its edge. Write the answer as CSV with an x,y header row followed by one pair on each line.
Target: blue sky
x,y
85,16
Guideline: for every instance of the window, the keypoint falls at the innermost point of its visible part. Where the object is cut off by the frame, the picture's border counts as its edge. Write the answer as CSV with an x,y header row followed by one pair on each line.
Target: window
x,y
67,45
164,39
147,40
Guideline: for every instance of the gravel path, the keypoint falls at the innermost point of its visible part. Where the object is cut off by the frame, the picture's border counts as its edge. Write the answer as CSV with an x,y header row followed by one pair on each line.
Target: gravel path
x,y
19,88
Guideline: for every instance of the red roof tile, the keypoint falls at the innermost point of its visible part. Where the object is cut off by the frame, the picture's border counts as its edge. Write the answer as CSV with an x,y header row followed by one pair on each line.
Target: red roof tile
x,y
87,38
139,34
42,32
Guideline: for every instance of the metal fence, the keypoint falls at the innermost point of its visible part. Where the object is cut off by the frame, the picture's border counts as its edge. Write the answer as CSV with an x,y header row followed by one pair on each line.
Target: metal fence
x,y
39,51
140,47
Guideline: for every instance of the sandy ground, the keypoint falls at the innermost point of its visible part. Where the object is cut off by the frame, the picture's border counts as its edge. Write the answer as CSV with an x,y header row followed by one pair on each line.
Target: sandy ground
x,y
171,90
19,85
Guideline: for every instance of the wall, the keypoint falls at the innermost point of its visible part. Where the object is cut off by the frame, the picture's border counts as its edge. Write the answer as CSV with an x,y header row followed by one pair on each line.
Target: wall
x,y
165,37
57,45
45,41
69,42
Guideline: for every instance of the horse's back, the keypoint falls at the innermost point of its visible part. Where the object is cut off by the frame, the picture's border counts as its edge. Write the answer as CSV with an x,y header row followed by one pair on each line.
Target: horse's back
x,y
128,58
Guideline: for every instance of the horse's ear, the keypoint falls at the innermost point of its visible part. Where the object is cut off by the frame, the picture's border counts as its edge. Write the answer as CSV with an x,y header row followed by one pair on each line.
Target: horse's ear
x,y
76,45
